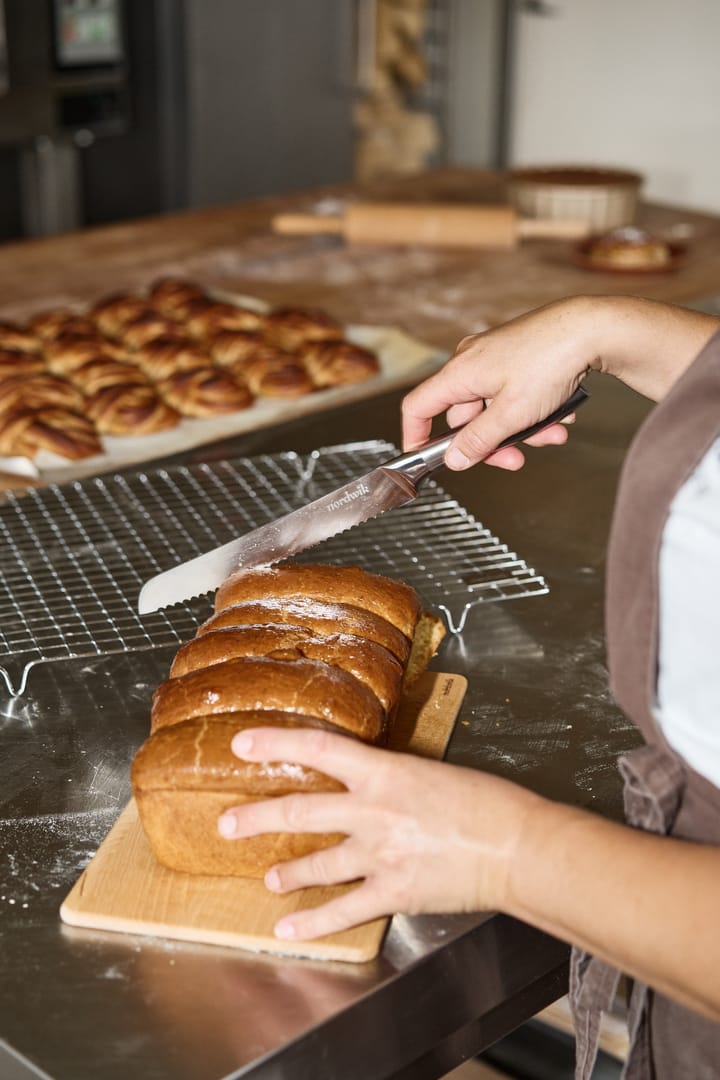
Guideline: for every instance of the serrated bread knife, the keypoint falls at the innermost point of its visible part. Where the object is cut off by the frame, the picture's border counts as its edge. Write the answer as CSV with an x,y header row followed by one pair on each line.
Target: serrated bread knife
x,y
384,488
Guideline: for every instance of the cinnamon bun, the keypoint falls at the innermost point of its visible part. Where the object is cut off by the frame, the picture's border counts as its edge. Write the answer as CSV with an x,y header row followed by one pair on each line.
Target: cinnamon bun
x,y
205,391
272,373
38,391
206,317
146,328
14,336
16,362
229,346
103,372
289,328
67,352
337,363
130,409
164,356
61,431
113,313
50,324
172,295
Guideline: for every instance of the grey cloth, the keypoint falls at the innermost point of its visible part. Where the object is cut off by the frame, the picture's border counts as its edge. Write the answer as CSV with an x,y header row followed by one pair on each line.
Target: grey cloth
x,y
654,781
662,793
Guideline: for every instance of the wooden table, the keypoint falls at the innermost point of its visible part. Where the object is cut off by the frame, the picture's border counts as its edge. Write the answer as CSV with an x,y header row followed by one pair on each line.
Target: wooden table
x,y
438,295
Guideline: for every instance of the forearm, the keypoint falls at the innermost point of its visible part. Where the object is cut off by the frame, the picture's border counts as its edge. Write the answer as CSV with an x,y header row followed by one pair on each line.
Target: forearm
x,y
646,344
423,836
646,904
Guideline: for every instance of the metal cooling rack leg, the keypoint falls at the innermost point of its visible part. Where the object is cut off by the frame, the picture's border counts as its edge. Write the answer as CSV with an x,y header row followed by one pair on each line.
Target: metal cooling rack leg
x,y
308,470
453,626
12,691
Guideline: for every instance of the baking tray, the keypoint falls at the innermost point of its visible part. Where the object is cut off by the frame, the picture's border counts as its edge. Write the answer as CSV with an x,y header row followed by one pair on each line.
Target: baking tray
x,y
75,555
404,360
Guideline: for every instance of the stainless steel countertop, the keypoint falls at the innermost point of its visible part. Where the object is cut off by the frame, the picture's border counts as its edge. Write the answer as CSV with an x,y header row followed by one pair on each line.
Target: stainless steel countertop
x,y
92,1004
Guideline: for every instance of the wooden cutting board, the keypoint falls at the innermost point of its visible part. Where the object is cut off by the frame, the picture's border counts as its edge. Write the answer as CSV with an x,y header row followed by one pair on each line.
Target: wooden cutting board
x,y
124,888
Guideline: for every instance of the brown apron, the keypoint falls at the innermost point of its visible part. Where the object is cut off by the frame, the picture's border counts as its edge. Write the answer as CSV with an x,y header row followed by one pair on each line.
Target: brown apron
x,y
662,793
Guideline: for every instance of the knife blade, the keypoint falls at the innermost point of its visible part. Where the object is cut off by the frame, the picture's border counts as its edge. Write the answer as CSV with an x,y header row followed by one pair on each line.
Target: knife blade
x,y
386,487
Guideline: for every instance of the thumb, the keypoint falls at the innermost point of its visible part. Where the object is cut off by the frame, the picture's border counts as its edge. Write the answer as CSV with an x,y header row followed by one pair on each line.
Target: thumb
x,y
480,438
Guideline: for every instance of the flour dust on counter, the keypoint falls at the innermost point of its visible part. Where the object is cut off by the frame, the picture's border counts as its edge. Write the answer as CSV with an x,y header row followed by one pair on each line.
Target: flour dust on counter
x,y
559,744
432,292
45,853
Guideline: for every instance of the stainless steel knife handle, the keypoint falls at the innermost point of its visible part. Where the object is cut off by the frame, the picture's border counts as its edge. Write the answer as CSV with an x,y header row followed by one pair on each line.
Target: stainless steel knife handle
x,y
417,464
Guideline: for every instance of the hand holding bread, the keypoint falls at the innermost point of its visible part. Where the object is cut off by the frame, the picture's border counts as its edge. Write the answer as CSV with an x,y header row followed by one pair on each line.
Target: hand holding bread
x,y
420,835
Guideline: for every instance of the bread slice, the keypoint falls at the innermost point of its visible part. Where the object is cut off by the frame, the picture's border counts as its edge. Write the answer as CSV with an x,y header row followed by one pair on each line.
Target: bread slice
x,y
305,687
373,665
316,617
393,600
428,636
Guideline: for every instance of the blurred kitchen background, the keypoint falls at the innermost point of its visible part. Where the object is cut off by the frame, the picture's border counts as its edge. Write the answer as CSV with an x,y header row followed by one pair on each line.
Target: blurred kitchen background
x,y
114,109
119,109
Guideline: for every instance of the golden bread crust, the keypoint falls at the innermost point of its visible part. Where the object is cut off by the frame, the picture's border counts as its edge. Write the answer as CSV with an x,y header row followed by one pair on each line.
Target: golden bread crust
x,y
308,687
392,600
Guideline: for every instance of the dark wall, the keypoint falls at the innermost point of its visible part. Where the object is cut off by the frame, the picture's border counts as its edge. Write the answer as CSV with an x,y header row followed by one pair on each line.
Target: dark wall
x,y
227,99
10,207
25,106
123,175
272,111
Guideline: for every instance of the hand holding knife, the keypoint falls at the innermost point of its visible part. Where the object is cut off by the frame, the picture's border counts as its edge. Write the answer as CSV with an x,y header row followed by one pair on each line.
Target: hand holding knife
x,y
393,484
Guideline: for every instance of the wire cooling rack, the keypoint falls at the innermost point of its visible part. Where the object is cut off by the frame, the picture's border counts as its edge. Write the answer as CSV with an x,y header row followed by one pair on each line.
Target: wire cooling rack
x,y
74,556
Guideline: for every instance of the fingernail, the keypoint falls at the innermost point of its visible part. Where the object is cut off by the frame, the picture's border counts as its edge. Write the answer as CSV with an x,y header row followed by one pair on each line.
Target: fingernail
x,y
272,879
455,459
284,930
226,825
241,744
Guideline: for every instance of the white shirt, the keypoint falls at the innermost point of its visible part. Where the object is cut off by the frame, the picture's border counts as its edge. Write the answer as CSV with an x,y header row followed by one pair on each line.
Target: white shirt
x,y
687,706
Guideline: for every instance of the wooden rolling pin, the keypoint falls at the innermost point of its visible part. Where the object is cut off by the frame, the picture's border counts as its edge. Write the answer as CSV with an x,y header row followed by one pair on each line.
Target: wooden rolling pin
x,y
430,224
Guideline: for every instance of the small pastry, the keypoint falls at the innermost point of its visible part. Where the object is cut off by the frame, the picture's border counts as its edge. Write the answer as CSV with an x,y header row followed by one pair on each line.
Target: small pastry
x,y
272,373
128,409
103,372
61,431
289,328
14,336
16,362
38,391
113,313
628,248
337,363
206,317
50,324
172,295
205,391
66,353
228,346
165,355
147,327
